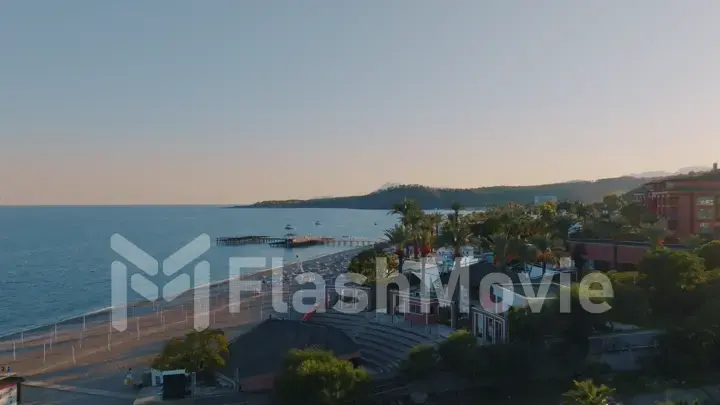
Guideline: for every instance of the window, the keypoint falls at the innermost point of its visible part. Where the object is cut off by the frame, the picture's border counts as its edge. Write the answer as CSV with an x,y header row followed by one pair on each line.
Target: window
x,y
705,201
705,213
705,227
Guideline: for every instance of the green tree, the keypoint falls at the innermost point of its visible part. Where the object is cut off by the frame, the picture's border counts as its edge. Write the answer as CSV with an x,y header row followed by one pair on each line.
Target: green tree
x,y
195,352
543,245
546,215
456,232
531,327
583,211
710,253
398,236
687,350
694,241
505,248
411,217
613,203
420,363
435,220
457,350
560,227
508,366
637,214
630,304
486,227
316,377
374,266
671,277
588,393
527,254
655,234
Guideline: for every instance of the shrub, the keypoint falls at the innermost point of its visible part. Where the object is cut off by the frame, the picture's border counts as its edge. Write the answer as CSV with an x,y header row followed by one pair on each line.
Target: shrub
x,y
457,350
420,363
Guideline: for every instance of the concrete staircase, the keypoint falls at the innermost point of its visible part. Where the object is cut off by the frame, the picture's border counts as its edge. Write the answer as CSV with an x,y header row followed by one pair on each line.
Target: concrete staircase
x,y
382,345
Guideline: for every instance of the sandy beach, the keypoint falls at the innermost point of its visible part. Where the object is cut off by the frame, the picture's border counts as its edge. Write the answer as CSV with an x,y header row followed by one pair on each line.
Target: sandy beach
x,y
150,325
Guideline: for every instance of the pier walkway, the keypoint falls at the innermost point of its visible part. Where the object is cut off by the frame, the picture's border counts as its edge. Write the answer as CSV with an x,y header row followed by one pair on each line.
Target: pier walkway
x,y
297,241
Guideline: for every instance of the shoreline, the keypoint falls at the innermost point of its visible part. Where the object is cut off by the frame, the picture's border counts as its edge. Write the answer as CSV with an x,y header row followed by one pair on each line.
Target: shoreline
x,y
100,343
99,316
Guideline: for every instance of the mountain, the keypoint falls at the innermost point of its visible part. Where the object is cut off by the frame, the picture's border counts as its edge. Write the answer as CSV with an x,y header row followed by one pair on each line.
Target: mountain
x,y
684,170
387,186
442,198
646,175
696,169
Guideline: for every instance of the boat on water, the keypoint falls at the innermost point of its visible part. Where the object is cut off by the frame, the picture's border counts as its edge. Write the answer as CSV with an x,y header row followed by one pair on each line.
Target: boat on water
x,y
317,222
289,227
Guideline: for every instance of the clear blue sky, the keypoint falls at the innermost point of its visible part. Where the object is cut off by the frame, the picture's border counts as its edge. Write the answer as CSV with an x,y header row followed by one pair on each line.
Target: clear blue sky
x,y
179,101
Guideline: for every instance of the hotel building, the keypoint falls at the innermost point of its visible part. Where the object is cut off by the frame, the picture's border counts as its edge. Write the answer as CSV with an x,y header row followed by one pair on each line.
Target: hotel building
x,y
690,203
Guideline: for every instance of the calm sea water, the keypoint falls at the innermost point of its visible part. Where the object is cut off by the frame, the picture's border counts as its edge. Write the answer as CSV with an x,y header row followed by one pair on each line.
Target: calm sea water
x,y
55,261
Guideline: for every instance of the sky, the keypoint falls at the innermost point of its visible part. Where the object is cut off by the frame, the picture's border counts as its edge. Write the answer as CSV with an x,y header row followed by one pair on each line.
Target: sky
x,y
225,101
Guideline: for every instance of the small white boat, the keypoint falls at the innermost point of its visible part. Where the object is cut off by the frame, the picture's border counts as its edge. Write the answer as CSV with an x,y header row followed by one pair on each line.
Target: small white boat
x,y
317,222
289,227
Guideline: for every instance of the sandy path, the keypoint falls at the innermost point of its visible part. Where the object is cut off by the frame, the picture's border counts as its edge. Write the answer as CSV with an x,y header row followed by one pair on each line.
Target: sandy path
x,y
100,344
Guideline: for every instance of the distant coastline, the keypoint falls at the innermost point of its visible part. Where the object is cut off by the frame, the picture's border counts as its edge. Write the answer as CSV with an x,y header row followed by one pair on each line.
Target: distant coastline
x,y
441,198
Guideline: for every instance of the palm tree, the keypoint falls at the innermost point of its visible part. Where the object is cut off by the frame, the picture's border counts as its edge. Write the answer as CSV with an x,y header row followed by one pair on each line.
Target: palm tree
x,y
544,246
456,230
587,393
583,211
527,253
398,237
456,207
425,240
435,220
407,209
411,217
504,248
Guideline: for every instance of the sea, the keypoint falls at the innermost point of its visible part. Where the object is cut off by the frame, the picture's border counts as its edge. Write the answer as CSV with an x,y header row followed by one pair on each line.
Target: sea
x,y
55,261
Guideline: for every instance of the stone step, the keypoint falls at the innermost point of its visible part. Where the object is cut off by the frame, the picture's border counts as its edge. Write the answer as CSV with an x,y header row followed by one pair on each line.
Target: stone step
x,y
389,353
406,330
377,364
397,333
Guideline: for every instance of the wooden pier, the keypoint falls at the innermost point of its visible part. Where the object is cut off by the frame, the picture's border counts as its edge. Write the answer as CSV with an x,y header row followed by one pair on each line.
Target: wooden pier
x,y
302,241
244,240
294,241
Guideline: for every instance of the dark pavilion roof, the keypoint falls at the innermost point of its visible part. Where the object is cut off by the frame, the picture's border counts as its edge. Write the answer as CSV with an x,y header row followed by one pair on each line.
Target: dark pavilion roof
x,y
262,350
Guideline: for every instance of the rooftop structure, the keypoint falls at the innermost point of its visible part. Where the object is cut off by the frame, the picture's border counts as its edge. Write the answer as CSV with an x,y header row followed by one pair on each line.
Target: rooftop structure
x,y
257,356
10,388
690,203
